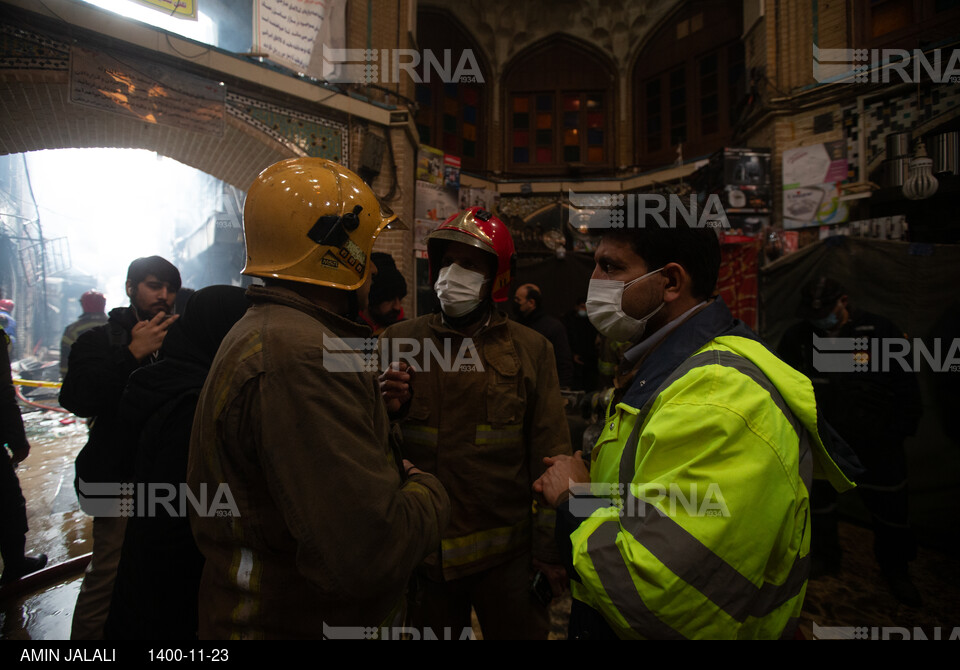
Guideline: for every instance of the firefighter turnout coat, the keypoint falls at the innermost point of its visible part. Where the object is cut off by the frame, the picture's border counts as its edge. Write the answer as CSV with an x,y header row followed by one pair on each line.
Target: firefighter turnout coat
x,y
484,412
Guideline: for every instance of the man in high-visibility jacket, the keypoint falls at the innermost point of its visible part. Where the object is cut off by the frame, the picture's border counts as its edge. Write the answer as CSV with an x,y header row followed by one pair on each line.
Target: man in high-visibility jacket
x,y
693,520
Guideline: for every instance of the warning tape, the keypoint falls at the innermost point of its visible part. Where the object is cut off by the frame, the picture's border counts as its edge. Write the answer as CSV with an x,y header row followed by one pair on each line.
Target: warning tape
x,y
35,382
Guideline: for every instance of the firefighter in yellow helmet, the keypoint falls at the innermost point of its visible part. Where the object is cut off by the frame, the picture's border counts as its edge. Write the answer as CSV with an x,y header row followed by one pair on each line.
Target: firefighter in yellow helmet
x,y
322,523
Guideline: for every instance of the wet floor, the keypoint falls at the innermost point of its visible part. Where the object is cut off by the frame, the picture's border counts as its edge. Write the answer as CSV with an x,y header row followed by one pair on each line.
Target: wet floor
x,y
57,526
44,615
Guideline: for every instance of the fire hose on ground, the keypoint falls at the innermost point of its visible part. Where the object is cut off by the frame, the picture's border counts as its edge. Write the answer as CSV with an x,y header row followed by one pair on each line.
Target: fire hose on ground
x,y
17,383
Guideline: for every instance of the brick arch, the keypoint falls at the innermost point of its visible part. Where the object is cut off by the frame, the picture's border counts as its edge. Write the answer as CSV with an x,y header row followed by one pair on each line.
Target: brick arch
x,y
555,66
38,115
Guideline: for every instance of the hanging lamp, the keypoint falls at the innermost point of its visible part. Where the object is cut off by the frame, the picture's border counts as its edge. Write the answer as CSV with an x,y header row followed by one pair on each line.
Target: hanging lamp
x,y
920,183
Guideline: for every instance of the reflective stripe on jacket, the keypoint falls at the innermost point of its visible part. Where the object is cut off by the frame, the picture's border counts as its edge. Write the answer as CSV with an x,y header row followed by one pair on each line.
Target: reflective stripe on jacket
x,y
483,428
698,524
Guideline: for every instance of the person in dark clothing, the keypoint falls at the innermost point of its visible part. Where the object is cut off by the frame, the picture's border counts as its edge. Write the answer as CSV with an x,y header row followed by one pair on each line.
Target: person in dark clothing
x,y
584,341
158,579
874,410
947,381
8,323
527,309
93,304
13,508
387,290
100,362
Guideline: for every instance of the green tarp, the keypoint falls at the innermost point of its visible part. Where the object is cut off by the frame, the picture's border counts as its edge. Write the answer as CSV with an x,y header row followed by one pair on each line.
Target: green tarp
x,y
917,286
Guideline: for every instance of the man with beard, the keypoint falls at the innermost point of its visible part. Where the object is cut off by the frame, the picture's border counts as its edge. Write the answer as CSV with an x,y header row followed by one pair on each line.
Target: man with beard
x,y
158,579
100,362
483,425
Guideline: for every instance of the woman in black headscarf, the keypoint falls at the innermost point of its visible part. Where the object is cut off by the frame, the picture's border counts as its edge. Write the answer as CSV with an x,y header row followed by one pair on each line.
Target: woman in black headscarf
x,y
155,593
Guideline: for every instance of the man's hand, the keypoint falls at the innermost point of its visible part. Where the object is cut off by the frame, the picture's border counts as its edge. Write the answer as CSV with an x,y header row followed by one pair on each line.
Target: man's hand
x,y
147,336
562,470
555,574
410,469
395,386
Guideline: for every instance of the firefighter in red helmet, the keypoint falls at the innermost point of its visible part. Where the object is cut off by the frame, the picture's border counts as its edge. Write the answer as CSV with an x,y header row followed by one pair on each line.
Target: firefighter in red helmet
x,y
479,405
93,303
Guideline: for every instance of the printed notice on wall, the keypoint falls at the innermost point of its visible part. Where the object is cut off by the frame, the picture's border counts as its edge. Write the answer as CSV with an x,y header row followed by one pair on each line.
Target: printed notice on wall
x,y
149,92
292,32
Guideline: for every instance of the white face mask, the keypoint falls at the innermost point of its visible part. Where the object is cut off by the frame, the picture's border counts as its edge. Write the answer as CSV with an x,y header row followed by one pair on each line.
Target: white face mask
x,y
458,289
605,310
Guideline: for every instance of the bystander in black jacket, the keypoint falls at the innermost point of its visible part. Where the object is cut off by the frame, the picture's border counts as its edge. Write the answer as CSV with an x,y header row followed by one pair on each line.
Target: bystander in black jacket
x,y
99,366
158,579
13,507
552,329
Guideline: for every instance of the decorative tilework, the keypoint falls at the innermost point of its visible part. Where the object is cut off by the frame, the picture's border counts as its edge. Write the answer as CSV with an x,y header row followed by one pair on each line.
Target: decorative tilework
x,y
898,113
305,134
851,131
23,50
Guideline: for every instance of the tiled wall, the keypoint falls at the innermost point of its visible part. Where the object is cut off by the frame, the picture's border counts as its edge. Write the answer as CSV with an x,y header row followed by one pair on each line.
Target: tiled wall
x,y
897,113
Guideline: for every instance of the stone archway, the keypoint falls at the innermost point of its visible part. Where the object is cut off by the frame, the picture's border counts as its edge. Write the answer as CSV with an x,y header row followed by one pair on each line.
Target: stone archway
x,y
38,115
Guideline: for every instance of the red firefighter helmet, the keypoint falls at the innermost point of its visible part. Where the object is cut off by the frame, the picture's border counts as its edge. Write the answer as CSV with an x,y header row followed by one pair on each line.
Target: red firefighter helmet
x,y
93,302
478,228
6,305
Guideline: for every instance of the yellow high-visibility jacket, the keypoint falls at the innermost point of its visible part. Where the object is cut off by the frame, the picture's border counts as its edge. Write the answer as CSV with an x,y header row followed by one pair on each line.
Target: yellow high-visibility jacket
x,y
697,523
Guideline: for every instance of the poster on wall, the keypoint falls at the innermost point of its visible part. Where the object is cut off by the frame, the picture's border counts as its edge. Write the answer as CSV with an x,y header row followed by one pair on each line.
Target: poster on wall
x,y
434,203
811,185
422,228
306,36
451,171
430,165
479,197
